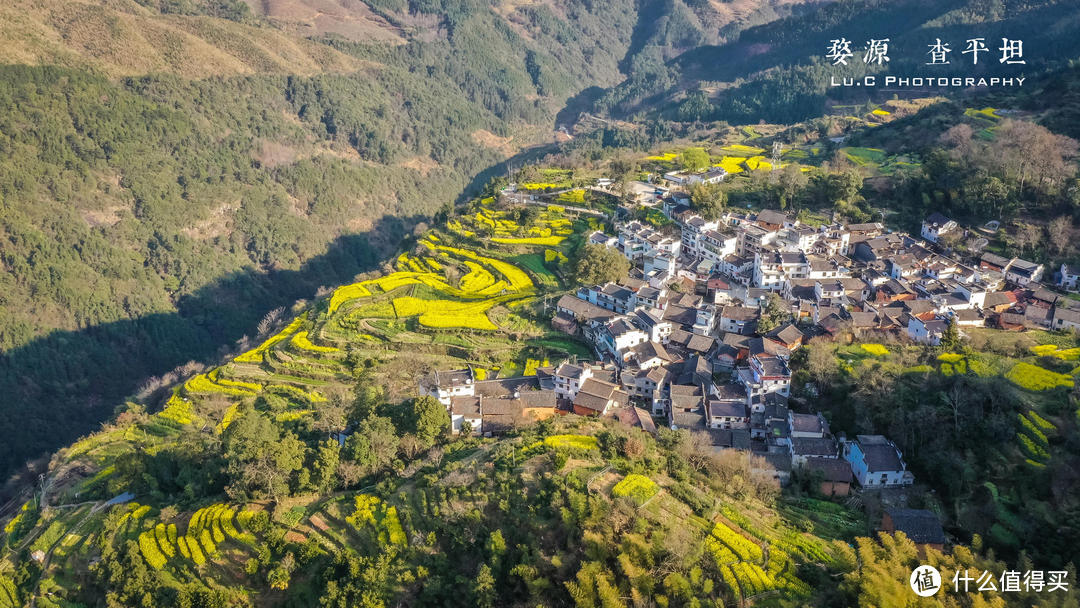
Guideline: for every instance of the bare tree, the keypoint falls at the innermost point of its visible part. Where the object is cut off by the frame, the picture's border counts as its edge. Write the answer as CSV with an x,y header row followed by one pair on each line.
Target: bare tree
x,y
1059,232
1029,153
820,361
958,138
1027,235
270,320
956,398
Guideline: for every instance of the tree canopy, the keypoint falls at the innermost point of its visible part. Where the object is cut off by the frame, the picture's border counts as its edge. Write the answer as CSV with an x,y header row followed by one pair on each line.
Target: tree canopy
x,y
599,264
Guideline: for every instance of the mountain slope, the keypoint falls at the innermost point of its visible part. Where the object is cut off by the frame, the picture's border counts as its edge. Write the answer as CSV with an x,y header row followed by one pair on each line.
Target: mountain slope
x,y
777,72
194,165
237,492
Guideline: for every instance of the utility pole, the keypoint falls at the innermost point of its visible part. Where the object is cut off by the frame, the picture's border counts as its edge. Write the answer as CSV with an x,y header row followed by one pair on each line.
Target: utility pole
x,y
777,148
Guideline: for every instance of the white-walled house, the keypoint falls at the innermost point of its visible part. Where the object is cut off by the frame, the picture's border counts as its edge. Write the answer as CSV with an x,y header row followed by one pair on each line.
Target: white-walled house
x,y
444,386
935,226
569,378
1023,272
1069,277
876,462
926,332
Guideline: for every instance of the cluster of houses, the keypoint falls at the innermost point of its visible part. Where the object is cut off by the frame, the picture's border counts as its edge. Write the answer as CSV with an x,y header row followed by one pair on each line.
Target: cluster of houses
x,y
677,341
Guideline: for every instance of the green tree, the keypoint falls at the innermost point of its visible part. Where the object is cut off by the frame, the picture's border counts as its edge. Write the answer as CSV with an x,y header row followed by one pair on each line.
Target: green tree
x,y
708,200
950,339
775,313
484,587
695,159
843,186
324,467
429,418
368,398
260,460
600,264
373,445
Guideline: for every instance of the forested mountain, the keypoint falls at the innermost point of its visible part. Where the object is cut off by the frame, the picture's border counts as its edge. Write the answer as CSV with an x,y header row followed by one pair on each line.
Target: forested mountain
x,y
777,72
170,171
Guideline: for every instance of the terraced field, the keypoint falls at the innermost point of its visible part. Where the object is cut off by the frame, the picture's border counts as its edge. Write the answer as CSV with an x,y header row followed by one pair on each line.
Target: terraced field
x,y
473,291
456,298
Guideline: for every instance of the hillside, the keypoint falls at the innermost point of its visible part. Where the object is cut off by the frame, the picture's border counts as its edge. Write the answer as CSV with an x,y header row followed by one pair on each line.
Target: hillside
x,y
229,493
126,38
777,71
230,488
173,171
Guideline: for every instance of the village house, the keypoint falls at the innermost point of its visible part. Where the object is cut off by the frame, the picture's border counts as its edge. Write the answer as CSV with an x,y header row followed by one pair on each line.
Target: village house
x,y
446,385
618,336
686,406
739,319
727,407
804,448
833,474
609,296
1023,272
579,310
937,225
921,526
926,332
597,398
1066,318
772,269
569,378
754,239
765,375
876,462
715,245
1068,277
469,410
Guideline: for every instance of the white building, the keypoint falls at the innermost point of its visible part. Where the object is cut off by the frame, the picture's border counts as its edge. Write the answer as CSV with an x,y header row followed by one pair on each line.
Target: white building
x,y
444,386
1068,277
937,225
877,462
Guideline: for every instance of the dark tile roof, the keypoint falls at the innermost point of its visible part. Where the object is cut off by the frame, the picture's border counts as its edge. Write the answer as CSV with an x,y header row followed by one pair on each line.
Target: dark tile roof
x,y
880,454
920,525
583,309
636,417
768,216
813,446
595,394
808,423
740,313
788,334
937,218
832,469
